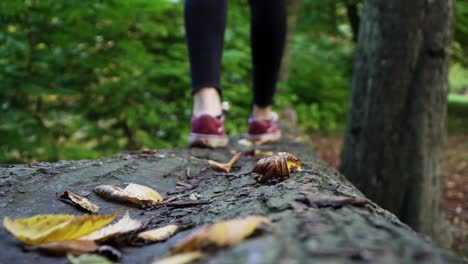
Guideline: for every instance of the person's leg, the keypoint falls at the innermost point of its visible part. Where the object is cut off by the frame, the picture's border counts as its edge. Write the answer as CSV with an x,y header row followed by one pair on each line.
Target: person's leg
x,y
205,21
268,34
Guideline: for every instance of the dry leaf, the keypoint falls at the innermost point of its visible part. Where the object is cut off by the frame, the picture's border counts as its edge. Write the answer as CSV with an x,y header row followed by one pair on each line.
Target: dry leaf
x,y
159,234
225,167
41,229
79,201
183,258
225,233
144,192
277,167
75,247
334,201
124,225
133,193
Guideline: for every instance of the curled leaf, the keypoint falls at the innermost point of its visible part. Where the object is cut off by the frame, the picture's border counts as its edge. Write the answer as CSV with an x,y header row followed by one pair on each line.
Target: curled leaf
x,y
225,233
159,234
75,247
133,193
277,166
183,258
124,225
79,201
41,229
225,167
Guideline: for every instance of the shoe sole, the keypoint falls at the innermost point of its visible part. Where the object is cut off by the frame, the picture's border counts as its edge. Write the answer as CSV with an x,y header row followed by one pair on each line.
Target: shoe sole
x,y
264,138
203,140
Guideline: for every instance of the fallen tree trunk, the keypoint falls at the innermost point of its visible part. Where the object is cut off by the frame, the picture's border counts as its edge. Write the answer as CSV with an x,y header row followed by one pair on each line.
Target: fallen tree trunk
x,y
309,227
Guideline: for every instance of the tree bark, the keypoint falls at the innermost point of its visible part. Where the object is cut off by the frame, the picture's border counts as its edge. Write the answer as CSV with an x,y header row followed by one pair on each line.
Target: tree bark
x,y
396,126
318,215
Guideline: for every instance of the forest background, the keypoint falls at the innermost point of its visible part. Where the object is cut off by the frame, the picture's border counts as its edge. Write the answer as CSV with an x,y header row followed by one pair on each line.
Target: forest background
x,y
86,79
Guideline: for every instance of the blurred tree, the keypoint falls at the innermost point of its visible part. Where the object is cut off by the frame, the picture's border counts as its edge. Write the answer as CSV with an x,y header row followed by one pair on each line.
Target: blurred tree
x,y
396,128
293,14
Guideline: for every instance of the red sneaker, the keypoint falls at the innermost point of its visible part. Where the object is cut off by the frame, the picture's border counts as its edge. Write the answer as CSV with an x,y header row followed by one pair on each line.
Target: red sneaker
x,y
264,131
208,131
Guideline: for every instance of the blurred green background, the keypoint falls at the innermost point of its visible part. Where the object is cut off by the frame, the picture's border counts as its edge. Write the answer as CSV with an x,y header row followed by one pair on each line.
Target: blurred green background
x,y
85,79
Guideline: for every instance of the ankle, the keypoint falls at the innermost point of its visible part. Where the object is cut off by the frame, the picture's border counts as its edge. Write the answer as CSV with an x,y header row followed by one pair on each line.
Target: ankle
x,y
207,101
262,113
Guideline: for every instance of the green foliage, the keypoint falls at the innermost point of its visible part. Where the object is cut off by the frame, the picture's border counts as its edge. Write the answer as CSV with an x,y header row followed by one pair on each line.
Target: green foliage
x,y
83,78
320,90
459,50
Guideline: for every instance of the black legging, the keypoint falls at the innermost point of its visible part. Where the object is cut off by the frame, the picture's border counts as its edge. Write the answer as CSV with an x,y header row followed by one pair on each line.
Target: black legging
x,y
205,21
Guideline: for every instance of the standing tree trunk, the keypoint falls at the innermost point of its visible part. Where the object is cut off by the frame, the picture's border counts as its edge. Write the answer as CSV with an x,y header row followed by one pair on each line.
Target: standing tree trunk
x,y
353,17
396,127
293,14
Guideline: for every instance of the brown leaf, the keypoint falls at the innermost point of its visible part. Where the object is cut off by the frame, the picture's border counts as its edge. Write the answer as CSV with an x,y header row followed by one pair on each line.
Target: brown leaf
x,y
225,233
183,258
225,167
78,201
278,166
124,225
133,193
334,201
75,247
159,234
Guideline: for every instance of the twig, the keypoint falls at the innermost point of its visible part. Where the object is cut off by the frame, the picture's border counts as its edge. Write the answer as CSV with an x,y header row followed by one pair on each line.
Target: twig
x,y
181,204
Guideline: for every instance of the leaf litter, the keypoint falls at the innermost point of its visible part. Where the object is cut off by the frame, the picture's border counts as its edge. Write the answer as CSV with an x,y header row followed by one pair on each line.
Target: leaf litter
x,y
159,234
78,201
221,234
124,225
79,235
134,193
41,229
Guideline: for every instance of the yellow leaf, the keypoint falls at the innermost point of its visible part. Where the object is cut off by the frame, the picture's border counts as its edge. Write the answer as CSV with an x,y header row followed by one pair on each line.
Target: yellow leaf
x,y
159,234
75,247
41,229
143,192
133,193
183,258
258,152
225,233
124,225
79,201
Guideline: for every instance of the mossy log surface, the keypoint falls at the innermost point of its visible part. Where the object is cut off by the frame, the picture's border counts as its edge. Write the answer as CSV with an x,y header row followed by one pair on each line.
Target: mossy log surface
x,y
302,233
